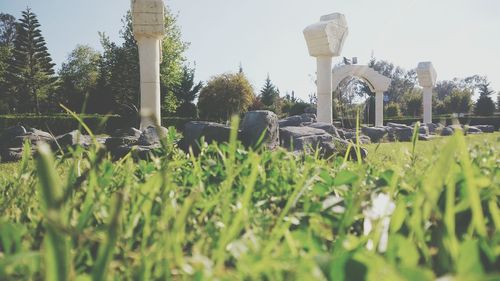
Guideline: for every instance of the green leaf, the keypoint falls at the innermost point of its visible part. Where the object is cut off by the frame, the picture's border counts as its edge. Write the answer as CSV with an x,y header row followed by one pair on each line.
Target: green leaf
x,y
345,177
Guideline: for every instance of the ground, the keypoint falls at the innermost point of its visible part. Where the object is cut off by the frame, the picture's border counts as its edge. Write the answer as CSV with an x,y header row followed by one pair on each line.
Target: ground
x,y
411,211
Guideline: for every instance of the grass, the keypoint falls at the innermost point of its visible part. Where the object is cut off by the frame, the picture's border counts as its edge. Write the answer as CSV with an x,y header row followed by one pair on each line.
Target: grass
x,y
412,211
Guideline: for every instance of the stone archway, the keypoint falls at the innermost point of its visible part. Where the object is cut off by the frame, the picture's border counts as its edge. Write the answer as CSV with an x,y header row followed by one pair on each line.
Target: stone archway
x,y
377,82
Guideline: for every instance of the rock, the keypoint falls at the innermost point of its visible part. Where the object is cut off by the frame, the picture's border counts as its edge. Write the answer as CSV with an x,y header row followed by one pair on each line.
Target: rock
x,y
308,117
212,132
486,128
128,132
17,135
138,151
256,123
341,149
329,128
351,136
424,137
374,133
303,138
432,127
473,130
447,131
292,121
341,133
72,139
11,154
423,130
400,132
150,135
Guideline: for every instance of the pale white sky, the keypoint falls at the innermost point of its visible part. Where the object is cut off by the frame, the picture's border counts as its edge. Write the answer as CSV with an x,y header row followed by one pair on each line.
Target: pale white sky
x,y
460,37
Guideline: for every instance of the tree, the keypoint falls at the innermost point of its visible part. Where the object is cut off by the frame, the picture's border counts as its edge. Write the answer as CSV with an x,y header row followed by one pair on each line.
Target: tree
x,y
393,110
224,96
31,69
484,105
269,94
402,81
458,102
79,76
7,29
186,92
413,103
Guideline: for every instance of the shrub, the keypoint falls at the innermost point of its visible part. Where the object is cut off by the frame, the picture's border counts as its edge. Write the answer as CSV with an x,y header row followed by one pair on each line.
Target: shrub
x,y
484,105
224,96
458,102
392,110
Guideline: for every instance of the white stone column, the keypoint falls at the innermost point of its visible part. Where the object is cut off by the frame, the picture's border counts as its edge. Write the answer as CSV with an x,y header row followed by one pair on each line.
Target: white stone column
x,y
149,63
379,109
427,103
324,86
148,24
427,79
325,40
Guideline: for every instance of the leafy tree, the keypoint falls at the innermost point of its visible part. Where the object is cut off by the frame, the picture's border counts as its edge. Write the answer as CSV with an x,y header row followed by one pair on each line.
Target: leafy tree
x,y
269,93
186,92
393,110
402,81
458,102
31,69
7,29
369,110
484,105
224,96
413,103
79,76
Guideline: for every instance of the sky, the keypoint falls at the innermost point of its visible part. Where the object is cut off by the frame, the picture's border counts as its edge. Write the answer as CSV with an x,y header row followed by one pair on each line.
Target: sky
x,y
460,37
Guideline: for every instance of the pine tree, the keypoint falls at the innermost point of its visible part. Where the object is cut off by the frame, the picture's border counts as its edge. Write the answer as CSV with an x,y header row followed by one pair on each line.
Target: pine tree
x,y
31,69
484,105
269,94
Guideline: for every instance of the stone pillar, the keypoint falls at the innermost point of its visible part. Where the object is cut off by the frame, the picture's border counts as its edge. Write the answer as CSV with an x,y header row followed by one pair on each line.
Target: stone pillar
x,y
324,92
427,79
325,40
379,109
427,103
149,28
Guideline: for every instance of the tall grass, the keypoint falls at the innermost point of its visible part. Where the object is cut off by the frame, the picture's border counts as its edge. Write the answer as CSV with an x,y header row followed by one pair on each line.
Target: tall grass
x,y
234,214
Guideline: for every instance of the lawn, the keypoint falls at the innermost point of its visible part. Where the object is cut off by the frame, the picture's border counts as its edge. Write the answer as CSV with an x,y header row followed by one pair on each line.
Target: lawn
x,y
409,212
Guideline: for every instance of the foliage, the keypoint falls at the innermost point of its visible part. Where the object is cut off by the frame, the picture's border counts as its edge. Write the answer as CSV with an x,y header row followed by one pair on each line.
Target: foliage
x,y
459,101
392,110
413,103
186,92
233,214
7,29
369,110
31,71
269,94
225,95
79,76
484,105
402,81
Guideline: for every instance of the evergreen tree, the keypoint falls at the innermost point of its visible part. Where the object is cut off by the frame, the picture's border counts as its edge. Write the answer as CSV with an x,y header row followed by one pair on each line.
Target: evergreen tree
x,y
484,105
186,92
31,69
269,94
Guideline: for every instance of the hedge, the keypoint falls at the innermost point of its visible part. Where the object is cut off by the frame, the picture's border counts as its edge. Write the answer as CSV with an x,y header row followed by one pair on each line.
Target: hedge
x,y
99,124
445,120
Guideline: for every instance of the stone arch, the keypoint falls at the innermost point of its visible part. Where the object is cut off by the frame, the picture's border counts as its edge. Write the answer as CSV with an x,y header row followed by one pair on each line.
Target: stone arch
x,y
377,83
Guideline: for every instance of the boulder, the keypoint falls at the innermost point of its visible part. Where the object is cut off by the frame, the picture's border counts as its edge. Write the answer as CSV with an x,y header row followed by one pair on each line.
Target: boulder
x,y
424,137
303,138
473,130
341,147
400,132
127,132
72,139
138,151
329,128
292,121
423,130
486,128
11,154
308,117
374,133
257,123
447,131
17,135
152,135
351,136
212,132
123,137
432,127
